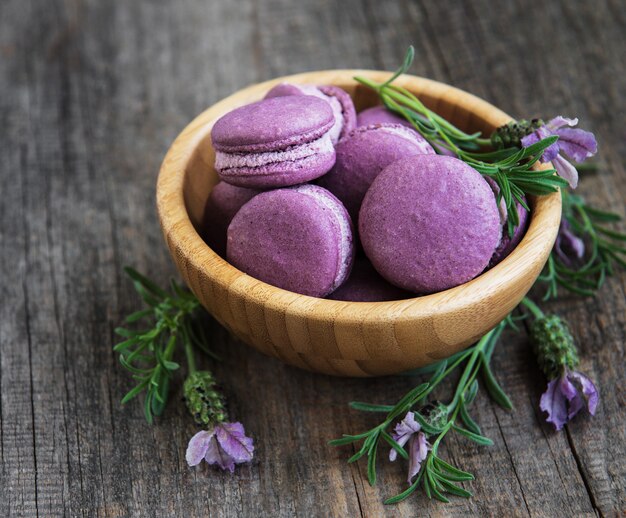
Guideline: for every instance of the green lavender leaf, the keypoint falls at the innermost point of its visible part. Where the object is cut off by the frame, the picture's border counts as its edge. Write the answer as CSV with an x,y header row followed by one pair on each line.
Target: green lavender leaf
x,y
477,438
401,451
468,421
494,389
367,407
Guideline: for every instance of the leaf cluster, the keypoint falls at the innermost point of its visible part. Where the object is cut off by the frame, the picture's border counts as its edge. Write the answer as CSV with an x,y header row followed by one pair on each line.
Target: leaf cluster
x,y
148,353
605,250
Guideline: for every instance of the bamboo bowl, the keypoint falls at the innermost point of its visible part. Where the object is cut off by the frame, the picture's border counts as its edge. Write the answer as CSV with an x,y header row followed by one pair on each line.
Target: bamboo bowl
x,y
333,337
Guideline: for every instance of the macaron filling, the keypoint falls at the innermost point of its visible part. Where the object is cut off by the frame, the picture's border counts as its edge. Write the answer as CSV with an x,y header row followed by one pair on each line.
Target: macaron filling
x,y
226,161
340,217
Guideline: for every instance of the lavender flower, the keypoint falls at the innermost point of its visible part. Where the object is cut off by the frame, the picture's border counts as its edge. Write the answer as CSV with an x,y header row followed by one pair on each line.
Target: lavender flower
x,y
568,391
575,143
566,396
409,430
225,445
568,247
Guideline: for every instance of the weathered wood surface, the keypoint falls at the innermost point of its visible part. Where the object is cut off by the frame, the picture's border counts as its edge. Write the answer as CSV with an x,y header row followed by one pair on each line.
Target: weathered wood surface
x,y
91,95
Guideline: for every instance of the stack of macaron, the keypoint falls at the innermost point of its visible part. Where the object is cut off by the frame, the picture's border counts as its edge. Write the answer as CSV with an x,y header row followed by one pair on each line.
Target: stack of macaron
x,y
318,200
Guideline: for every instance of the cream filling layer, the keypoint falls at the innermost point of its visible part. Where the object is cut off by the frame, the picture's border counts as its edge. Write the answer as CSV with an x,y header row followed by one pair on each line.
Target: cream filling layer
x,y
224,160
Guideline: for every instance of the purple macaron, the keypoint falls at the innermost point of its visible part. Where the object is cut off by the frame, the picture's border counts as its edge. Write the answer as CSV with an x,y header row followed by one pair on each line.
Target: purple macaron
x,y
366,285
381,115
363,154
429,222
224,202
339,101
299,239
274,142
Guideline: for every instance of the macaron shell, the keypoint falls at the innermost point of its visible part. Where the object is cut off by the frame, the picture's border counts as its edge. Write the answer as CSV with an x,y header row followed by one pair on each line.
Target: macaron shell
x,y
223,203
289,239
365,285
339,100
284,89
272,124
429,223
380,115
363,154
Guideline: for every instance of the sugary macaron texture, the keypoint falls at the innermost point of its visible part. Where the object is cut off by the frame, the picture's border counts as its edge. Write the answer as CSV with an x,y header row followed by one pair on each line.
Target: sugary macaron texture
x,y
339,101
224,202
381,115
274,142
429,222
363,154
365,285
298,239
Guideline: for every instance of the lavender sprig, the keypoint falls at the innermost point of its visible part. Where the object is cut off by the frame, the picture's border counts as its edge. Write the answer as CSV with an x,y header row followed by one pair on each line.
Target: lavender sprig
x,y
425,422
568,390
148,355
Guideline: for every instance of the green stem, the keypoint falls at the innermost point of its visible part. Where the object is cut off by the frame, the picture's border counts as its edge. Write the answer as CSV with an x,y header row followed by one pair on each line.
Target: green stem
x,y
191,359
470,373
534,309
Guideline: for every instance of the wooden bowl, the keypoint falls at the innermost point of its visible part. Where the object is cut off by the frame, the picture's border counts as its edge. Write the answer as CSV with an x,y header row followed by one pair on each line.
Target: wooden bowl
x,y
334,337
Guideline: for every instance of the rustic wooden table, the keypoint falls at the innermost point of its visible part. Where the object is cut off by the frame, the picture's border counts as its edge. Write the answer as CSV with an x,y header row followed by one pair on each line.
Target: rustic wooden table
x,y
93,93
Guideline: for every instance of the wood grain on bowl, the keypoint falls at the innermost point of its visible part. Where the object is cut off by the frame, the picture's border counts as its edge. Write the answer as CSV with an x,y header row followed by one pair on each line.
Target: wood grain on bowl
x,y
336,337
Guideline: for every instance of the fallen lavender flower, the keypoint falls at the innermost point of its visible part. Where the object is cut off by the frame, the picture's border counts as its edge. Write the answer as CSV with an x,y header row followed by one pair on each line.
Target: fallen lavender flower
x,y
566,396
568,391
223,444
575,143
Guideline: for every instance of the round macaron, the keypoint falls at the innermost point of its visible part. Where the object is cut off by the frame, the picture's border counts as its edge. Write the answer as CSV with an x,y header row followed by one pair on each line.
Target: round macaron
x,y
363,154
339,101
366,285
381,115
274,142
429,222
224,202
299,239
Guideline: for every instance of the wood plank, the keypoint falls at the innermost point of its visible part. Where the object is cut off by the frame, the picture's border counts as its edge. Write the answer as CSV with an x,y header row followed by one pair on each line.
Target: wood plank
x,y
92,95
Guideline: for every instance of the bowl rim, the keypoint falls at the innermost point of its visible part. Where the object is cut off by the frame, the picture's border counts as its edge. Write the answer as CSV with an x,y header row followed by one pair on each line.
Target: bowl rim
x,y
184,241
